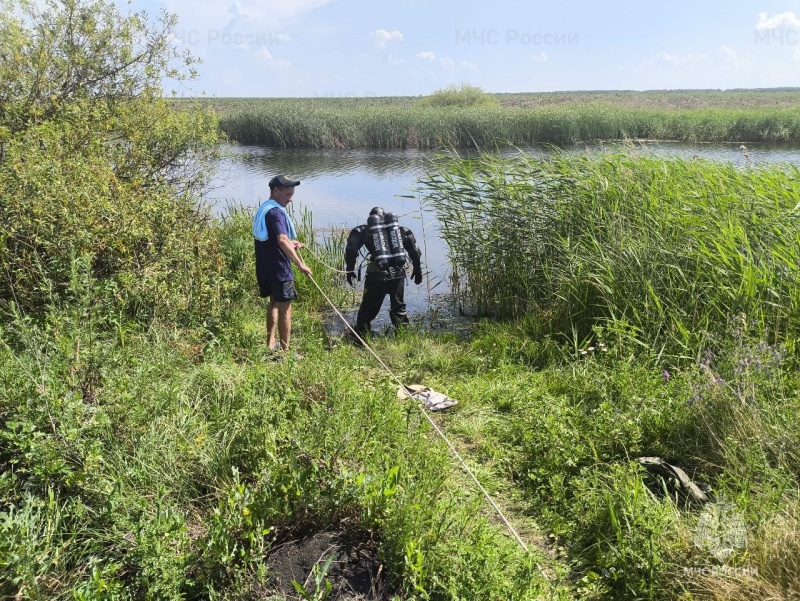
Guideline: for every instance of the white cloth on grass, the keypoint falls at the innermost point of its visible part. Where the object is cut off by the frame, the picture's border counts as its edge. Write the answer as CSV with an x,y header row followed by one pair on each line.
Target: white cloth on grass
x,y
430,399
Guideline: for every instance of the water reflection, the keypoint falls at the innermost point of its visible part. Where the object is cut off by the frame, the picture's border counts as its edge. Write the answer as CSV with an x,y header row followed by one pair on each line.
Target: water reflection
x,y
310,163
307,163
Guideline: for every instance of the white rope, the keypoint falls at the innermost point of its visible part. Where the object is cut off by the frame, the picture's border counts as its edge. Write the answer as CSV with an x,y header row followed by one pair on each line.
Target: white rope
x,y
434,426
323,263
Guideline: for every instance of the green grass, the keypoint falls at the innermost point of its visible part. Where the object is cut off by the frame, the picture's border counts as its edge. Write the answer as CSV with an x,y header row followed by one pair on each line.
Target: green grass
x,y
465,119
192,456
162,462
564,438
652,99
156,461
656,301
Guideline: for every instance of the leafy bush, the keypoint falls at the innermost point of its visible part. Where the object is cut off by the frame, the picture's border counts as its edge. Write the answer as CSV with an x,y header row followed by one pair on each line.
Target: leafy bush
x,y
96,164
157,249
463,95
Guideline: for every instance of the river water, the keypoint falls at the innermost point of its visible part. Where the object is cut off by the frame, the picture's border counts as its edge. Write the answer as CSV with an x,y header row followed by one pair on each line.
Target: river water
x,y
339,187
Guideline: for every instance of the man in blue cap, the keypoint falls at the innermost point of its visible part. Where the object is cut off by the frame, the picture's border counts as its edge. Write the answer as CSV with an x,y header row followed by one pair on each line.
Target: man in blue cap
x,y
276,249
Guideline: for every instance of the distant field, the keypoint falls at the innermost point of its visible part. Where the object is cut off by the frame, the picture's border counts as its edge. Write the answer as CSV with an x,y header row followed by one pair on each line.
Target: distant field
x,y
657,99
712,99
512,119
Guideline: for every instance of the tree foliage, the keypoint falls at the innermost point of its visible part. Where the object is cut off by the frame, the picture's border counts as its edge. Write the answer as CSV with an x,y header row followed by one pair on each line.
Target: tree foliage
x,y
95,163
70,50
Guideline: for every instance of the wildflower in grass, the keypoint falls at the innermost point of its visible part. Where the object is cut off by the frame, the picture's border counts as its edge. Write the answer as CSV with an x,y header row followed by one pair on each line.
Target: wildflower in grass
x,y
708,357
665,375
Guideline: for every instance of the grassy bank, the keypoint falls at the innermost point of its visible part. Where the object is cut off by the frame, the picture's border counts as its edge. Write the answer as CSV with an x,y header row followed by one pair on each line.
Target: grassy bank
x,y
653,99
512,119
567,436
171,463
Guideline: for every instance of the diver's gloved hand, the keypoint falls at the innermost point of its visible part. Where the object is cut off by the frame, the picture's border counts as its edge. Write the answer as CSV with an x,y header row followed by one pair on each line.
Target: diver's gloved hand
x,y
417,275
351,275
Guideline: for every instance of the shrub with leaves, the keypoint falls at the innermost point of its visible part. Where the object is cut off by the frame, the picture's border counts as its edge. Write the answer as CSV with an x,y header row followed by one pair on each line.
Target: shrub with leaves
x,y
94,163
463,95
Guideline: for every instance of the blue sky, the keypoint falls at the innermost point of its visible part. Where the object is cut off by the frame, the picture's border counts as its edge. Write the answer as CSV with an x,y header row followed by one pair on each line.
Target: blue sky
x,y
332,48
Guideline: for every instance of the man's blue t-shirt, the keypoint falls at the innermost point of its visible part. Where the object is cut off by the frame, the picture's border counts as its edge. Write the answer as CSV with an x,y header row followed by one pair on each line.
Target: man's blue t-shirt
x,y
272,265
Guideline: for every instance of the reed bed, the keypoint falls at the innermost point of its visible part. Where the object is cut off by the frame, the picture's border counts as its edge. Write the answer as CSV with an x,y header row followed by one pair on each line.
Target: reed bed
x,y
467,118
307,124
653,99
669,249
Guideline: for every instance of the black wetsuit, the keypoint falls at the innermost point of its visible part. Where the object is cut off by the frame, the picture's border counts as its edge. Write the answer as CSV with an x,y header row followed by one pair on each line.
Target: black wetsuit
x,y
378,283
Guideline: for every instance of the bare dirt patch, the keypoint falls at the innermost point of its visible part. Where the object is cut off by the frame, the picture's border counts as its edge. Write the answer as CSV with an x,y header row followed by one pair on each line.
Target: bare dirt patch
x,y
355,573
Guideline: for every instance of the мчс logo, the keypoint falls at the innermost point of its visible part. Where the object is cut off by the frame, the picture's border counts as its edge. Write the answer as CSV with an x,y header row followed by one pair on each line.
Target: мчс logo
x,y
720,530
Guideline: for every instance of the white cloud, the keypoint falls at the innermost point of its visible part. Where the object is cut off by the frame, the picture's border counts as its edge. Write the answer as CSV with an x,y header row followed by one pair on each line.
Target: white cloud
x,y
796,53
265,58
447,62
281,38
469,66
417,75
681,60
540,58
426,55
787,19
731,56
382,37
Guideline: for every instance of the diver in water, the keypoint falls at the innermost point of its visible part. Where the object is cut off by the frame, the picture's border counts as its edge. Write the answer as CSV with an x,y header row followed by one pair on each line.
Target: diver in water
x,y
390,246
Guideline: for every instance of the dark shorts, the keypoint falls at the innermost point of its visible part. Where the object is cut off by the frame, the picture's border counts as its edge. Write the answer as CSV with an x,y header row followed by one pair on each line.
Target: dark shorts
x,y
281,292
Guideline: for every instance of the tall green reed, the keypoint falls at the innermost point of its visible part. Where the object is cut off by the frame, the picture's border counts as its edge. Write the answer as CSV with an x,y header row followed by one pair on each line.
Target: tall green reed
x,y
313,124
672,248
324,253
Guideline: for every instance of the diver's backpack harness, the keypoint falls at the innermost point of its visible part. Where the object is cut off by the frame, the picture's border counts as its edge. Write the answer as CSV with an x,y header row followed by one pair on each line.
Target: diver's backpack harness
x,y
394,241
387,241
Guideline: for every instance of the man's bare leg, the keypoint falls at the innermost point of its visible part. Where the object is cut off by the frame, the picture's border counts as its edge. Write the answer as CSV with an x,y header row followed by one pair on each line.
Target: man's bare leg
x,y
284,312
272,320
